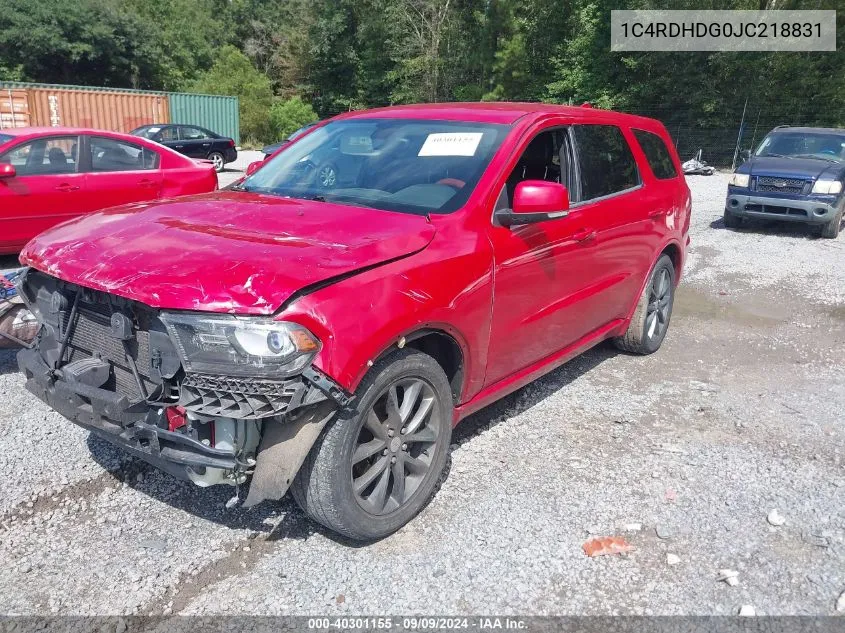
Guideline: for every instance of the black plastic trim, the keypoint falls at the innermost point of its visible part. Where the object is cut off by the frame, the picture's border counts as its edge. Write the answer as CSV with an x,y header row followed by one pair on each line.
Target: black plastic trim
x,y
327,386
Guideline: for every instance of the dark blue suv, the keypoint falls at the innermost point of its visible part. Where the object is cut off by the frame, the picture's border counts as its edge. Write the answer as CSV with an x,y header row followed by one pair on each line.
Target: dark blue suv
x,y
796,174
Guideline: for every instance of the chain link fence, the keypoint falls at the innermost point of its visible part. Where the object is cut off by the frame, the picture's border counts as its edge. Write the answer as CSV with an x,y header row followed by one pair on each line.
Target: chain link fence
x,y
717,134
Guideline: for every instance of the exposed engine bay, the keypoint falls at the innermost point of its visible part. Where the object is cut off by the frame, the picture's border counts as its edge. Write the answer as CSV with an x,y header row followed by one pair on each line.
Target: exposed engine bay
x,y
118,368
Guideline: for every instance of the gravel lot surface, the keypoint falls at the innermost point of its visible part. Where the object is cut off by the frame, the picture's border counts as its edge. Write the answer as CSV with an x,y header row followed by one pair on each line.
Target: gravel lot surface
x,y
739,414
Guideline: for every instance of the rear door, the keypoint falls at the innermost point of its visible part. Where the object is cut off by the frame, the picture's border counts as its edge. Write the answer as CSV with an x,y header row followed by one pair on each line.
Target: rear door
x,y
120,172
195,141
613,204
47,188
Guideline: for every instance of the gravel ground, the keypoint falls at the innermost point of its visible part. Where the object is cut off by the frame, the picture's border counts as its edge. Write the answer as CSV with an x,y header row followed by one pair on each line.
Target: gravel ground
x,y
737,415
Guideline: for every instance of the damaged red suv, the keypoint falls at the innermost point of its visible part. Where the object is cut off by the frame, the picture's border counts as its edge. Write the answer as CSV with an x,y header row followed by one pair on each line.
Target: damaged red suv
x,y
325,335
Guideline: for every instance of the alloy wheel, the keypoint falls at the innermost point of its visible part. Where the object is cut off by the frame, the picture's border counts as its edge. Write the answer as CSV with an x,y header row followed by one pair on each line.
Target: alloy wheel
x,y
328,177
218,161
395,445
659,304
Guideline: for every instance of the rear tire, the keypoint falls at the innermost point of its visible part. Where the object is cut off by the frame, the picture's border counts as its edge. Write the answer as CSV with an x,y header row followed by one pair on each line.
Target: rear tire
x,y
398,428
650,322
732,220
219,161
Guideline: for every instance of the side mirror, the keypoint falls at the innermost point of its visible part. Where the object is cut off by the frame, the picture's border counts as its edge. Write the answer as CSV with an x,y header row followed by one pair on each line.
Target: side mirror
x,y
254,167
535,201
7,170
746,154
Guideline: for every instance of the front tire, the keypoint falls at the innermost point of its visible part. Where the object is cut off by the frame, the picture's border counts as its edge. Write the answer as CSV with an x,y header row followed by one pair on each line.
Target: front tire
x,y
219,161
830,230
732,220
650,322
377,465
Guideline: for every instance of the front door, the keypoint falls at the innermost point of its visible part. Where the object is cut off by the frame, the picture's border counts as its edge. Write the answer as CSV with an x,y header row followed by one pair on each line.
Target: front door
x,y
47,188
543,271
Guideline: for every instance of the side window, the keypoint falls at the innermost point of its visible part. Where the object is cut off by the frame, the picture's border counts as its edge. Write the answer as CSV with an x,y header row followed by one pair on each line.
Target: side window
x,y
44,156
112,155
657,154
167,134
547,157
606,162
193,134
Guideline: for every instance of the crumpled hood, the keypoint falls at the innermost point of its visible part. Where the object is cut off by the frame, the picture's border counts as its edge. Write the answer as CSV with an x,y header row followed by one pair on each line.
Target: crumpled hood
x,y
805,168
222,252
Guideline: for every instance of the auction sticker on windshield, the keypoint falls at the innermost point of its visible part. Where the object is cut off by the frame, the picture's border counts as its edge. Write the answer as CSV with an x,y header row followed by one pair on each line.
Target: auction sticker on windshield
x,y
451,144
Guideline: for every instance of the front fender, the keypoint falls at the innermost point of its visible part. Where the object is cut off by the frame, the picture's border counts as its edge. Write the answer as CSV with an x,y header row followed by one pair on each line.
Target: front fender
x,y
358,318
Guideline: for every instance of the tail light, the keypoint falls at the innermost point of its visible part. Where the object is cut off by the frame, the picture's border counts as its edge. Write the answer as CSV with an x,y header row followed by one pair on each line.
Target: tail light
x,y
231,143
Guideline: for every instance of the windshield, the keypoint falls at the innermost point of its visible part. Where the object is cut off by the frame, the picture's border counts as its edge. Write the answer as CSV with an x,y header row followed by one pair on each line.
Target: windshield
x,y
300,131
413,166
830,147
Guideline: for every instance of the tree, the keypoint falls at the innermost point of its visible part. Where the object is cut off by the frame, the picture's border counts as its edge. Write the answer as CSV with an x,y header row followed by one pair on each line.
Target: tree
x,y
234,74
417,50
97,42
185,35
289,115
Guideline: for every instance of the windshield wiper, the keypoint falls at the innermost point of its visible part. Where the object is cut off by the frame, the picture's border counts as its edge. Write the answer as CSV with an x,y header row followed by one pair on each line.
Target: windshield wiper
x,y
776,156
814,157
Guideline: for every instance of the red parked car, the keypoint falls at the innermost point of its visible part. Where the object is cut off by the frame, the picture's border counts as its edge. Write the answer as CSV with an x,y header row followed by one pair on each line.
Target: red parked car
x,y
48,175
327,338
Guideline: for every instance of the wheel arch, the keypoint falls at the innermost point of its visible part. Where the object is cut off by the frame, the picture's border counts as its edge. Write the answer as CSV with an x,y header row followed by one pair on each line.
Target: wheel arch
x,y
676,254
673,250
444,347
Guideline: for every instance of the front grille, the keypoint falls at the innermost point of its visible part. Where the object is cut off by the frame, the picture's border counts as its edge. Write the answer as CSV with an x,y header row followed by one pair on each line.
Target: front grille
x,y
91,336
225,396
776,210
783,185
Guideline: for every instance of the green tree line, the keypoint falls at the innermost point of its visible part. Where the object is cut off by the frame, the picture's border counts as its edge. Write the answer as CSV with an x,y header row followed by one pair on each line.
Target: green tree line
x,y
294,60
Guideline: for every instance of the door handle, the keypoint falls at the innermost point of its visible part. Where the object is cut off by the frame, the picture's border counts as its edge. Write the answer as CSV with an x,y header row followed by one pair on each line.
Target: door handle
x,y
178,146
146,183
66,187
206,144
657,213
584,235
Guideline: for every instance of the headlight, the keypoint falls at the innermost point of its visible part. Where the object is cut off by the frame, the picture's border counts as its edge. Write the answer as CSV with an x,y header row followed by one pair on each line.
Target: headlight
x,y
739,180
827,186
232,345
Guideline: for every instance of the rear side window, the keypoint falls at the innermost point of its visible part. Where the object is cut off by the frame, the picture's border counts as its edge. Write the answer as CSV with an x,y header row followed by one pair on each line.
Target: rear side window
x,y
111,155
657,154
606,162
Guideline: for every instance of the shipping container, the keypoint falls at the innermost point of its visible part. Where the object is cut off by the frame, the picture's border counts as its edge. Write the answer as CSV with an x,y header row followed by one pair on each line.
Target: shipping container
x,y
213,112
116,109
77,106
14,108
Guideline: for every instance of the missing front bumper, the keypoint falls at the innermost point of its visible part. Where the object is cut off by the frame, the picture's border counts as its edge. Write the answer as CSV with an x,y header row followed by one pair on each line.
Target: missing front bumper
x,y
133,427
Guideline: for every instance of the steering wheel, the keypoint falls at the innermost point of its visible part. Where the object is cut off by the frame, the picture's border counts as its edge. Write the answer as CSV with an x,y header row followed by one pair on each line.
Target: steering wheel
x,y
452,182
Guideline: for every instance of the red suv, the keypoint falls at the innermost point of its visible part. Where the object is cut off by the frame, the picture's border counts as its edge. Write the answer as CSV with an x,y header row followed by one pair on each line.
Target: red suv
x,y
327,336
